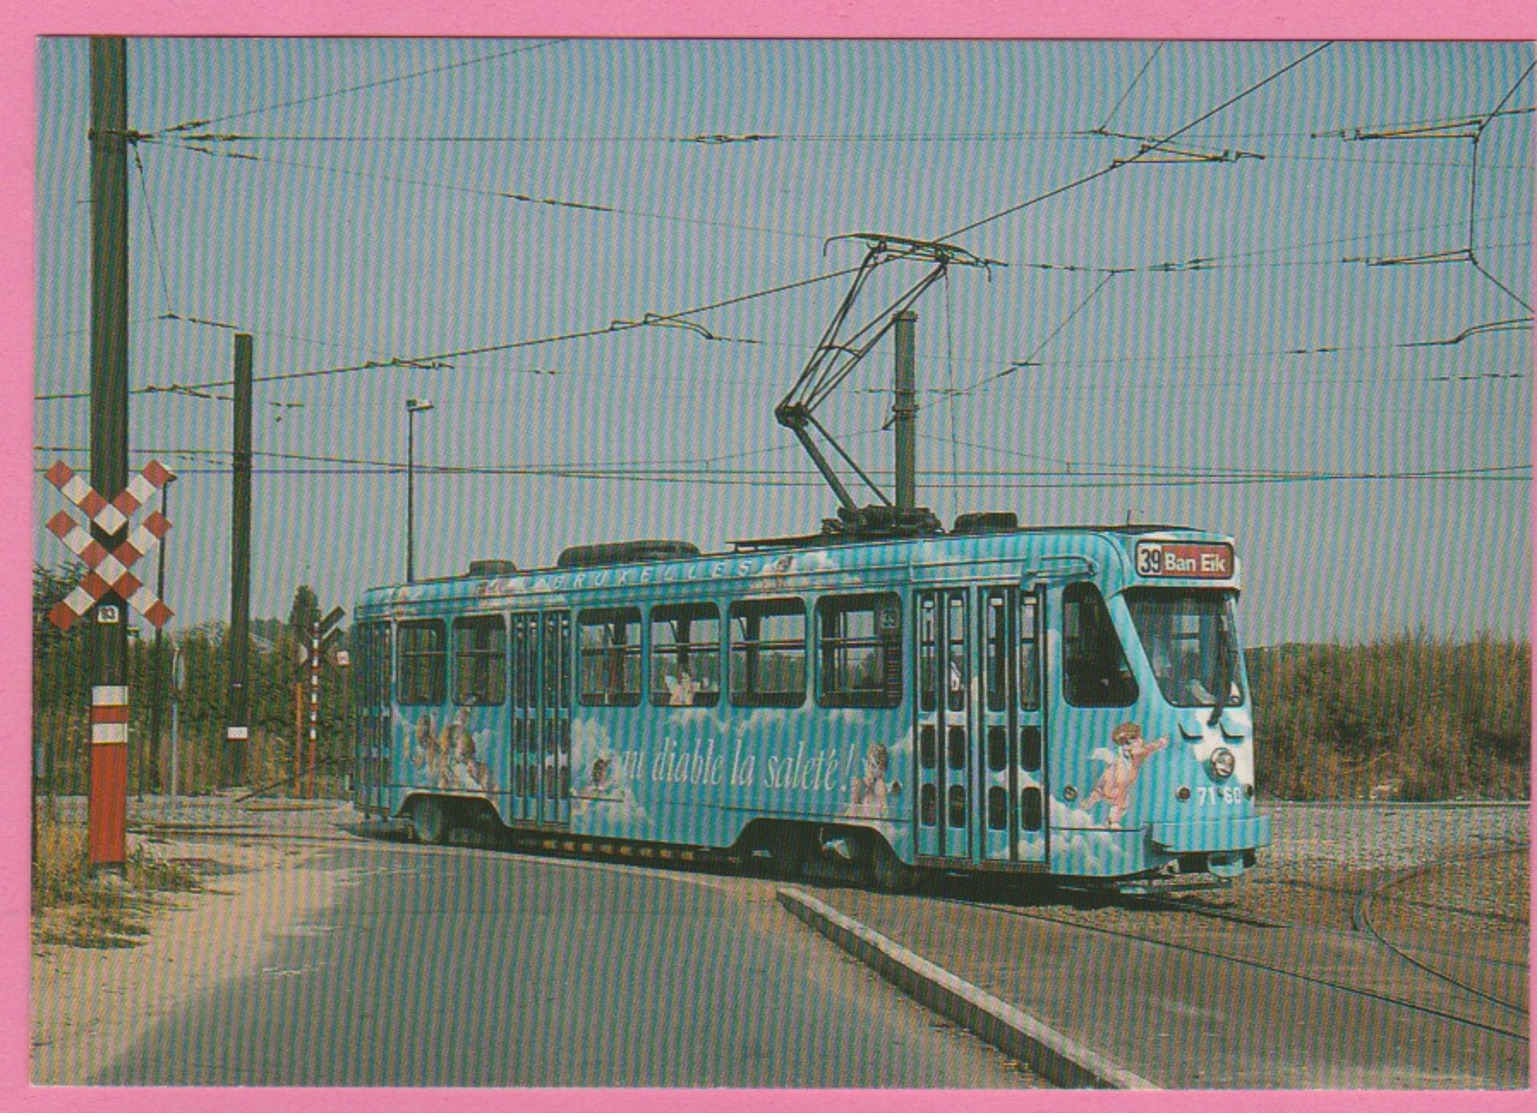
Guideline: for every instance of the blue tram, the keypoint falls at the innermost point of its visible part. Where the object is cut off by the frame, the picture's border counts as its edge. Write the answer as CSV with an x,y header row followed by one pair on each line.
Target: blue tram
x,y
1067,701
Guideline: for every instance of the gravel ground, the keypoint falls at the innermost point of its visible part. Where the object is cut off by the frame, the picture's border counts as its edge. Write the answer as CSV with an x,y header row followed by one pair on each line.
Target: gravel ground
x,y
1325,855
1387,836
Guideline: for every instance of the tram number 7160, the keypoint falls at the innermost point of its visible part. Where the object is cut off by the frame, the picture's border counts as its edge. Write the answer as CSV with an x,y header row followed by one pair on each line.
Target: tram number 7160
x,y
1215,795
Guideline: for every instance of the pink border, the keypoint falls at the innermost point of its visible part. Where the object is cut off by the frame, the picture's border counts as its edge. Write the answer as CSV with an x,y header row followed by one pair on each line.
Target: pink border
x,y
21,23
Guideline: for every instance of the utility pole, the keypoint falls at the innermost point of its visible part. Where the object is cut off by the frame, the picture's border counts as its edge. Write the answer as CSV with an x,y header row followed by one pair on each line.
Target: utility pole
x,y
107,828
237,731
905,412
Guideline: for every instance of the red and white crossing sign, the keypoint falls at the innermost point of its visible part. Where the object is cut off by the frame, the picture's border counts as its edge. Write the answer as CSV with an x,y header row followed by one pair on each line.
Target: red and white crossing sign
x,y
109,571
109,515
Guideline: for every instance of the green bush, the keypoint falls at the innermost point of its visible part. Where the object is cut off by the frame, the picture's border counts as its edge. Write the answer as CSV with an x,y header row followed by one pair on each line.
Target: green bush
x,y
61,704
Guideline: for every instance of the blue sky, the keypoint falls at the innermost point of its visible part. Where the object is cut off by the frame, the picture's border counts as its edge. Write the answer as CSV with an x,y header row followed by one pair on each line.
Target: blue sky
x,y
1260,338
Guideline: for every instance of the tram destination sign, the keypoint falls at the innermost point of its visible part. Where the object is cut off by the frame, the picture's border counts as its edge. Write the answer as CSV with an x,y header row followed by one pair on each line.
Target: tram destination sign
x,y
1163,559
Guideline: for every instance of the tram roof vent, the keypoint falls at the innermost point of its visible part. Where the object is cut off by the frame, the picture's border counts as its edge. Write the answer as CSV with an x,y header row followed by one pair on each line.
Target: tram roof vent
x,y
635,550
881,521
983,523
492,568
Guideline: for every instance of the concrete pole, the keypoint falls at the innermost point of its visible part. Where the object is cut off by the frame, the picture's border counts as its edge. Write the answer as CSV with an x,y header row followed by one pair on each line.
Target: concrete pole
x,y
905,412
107,812
237,732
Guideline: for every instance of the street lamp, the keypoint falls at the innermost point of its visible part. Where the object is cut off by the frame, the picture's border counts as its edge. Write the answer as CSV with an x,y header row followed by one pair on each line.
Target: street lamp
x,y
412,407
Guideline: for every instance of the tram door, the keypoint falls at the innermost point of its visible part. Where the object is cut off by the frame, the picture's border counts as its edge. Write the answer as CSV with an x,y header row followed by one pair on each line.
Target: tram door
x,y
980,756
541,717
375,772
1009,757
944,725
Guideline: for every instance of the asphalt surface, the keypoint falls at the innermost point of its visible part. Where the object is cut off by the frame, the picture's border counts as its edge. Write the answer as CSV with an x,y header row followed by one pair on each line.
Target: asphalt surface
x,y
1124,1012
1290,996
572,951
465,967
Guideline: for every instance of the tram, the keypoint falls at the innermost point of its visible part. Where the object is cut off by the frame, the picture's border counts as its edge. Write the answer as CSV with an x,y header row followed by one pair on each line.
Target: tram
x,y
1067,701
887,692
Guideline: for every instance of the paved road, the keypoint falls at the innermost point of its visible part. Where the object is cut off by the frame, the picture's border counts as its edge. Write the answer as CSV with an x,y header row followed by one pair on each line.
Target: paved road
x,y
466,967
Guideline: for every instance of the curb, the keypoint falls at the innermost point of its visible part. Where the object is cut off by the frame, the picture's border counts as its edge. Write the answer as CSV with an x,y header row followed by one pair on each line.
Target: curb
x,y
1060,1059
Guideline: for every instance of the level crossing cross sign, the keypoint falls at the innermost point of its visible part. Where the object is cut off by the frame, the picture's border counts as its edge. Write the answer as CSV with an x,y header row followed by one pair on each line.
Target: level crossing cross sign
x,y
109,570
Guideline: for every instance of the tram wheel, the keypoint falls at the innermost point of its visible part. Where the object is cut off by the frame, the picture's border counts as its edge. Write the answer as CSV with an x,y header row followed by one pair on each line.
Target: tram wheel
x,y
886,872
788,850
431,819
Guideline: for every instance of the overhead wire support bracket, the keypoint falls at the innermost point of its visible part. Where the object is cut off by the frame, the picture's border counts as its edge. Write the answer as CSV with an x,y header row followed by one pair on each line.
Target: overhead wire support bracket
x,y
1446,256
1152,149
1474,331
1457,128
1466,129
673,321
1195,263
715,138
837,353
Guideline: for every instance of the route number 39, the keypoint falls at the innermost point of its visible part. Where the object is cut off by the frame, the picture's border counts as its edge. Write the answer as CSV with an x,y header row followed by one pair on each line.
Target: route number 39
x,y
1149,560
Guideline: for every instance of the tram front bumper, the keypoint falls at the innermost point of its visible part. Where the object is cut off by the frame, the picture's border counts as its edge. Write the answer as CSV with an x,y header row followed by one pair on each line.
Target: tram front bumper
x,y
1211,835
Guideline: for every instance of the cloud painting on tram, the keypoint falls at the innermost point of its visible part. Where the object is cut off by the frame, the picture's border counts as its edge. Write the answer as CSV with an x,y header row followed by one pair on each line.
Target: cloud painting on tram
x,y
1039,700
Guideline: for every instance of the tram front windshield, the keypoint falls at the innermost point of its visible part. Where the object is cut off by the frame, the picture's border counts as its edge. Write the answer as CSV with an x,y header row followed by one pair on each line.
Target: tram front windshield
x,y
1191,642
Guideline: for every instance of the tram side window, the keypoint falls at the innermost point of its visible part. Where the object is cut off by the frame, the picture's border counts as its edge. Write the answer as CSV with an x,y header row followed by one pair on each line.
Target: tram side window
x,y
928,655
685,655
373,642
1094,668
480,661
423,663
860,650
610,653
768,652
995,650
525,659
1029,654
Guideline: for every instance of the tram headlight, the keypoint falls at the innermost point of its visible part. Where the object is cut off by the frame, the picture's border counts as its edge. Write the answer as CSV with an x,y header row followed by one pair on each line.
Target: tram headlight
x,y
1222,763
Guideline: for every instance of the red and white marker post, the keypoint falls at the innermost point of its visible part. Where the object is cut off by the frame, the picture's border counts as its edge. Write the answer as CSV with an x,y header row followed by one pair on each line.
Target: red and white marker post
x,y
108,572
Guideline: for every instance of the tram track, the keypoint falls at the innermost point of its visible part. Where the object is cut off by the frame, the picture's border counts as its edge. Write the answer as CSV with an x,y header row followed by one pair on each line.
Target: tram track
x,y
1520,1033
194,833
1362,922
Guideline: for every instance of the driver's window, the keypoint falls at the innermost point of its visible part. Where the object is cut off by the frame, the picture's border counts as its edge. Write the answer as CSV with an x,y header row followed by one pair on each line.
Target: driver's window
x,y
1094,668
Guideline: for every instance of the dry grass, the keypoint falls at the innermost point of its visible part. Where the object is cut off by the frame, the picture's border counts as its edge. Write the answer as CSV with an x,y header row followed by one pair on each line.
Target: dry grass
x,y
71,906
1408,718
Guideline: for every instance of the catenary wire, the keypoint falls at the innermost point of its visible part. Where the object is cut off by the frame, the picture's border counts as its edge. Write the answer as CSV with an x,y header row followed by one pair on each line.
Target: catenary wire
x,y
1151,149
520,49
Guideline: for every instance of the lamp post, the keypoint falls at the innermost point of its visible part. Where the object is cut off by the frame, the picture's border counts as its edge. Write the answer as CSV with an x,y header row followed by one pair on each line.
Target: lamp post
x,y
412,407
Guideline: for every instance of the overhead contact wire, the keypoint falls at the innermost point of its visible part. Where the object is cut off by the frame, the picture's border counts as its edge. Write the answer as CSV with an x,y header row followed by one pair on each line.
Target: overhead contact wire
x,y
1150,149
